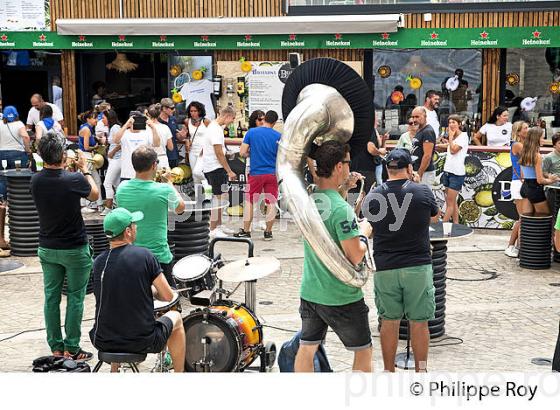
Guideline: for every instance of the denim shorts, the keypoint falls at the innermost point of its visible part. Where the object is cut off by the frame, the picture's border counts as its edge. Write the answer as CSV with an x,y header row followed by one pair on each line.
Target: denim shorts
x,y
349,322
452,181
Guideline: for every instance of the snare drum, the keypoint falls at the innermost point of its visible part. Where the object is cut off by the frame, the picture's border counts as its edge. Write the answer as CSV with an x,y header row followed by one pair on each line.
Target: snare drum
x,y
193,274
162,307
225,337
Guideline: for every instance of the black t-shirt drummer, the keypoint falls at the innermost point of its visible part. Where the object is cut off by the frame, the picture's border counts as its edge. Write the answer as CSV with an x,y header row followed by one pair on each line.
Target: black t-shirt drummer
x,y
124,310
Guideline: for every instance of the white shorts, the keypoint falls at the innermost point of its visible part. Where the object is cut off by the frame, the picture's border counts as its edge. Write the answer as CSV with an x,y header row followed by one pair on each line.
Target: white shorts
x,y
515,189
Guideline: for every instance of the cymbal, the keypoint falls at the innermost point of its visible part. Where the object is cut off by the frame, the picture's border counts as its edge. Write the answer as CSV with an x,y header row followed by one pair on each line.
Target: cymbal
x,y
249,269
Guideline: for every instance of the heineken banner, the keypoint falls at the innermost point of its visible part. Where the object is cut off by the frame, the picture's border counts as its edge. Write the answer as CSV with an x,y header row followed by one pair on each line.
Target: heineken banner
x,y
514,37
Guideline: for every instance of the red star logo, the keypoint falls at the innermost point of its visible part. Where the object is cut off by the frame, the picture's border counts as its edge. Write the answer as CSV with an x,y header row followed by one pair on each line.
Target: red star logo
x,y
536,34
4,37
434,35
204,38
484,35
248,37
42,37
82,38
337,36
122,38
292,37
162,38
385,36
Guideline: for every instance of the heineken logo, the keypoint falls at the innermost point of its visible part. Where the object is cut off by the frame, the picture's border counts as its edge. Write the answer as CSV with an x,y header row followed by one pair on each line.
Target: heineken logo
x,y
338,41
292,42
163,43
205,43
248,42
43,42
385,41
122,42
484,40
433,41
204,38
82,42
5,43
81,38
536,39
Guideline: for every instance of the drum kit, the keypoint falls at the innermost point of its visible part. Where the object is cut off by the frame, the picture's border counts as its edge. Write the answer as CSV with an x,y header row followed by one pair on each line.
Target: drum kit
x,y
222,335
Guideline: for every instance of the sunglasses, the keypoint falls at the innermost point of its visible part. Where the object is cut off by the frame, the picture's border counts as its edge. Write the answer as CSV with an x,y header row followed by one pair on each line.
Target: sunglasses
x,y
260,119
410,123
346,161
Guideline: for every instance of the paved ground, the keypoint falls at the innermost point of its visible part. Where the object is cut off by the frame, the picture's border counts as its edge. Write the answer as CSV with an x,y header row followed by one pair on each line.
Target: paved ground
x,y
494,322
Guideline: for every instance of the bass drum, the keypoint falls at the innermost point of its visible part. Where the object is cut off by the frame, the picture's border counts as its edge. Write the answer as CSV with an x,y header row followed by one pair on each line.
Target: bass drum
x,y
225,337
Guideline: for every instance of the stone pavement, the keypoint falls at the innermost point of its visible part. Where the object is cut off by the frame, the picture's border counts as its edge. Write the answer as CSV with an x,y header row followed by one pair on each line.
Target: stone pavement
x,y
498,315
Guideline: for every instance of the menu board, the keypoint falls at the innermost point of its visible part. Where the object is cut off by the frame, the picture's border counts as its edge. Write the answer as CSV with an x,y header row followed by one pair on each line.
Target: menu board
x,y
266,85
18,15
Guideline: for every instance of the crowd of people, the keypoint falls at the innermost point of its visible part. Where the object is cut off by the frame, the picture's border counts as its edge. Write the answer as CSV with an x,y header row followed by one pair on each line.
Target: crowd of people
x,y
138,265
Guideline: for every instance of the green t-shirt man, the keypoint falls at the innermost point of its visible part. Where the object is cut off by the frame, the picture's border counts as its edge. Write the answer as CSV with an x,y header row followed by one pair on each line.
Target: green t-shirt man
x,y
154,200
318,284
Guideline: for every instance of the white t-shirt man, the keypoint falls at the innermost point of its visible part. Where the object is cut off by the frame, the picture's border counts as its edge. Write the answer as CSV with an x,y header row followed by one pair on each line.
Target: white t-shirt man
x,y
129,142
164,135
455,163
214,136
432,119
496,135
34,116
199,91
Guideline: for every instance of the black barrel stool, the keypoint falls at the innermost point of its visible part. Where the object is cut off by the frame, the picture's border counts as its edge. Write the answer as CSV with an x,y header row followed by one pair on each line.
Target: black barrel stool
x,y
22,213
535,241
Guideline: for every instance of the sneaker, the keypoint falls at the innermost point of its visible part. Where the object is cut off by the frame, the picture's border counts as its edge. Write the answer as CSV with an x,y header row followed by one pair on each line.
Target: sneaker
x,y
242,234
105,211
262,225
512,251
217,233
226,230
86,210
267,236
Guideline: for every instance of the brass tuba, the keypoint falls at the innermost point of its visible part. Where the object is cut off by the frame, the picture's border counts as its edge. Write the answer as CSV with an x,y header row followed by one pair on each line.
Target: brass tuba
x,y
318,113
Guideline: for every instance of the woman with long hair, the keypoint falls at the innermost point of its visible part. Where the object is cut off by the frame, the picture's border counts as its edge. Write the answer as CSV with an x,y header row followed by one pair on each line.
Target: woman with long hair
x,y
196,123
165,136
256,119
533,176
454,168
88,142
496,131
518,134
113,173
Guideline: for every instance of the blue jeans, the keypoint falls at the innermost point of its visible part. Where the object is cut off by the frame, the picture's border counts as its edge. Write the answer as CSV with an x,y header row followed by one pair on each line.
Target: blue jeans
x,y
10,156
379,174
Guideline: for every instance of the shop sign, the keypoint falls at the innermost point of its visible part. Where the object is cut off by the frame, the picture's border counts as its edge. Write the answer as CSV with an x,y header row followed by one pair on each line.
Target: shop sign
x,y
512,37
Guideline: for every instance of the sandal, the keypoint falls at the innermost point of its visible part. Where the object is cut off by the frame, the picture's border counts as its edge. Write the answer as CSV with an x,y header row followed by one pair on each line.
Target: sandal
x,y
80,355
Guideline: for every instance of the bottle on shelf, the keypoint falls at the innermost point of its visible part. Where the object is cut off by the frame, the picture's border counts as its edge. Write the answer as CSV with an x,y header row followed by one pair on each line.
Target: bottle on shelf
x,y
239,130
226,132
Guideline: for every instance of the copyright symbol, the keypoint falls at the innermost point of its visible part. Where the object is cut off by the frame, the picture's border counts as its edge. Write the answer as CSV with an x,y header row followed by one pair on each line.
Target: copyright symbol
x,y
416,389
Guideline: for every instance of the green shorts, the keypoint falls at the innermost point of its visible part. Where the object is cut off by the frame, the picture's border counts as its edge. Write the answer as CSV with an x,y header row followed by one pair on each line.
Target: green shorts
x,y
406,291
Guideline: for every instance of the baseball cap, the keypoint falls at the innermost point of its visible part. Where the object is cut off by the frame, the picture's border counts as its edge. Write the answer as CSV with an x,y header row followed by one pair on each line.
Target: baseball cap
x,y
399,158
10,113
167,102
118,220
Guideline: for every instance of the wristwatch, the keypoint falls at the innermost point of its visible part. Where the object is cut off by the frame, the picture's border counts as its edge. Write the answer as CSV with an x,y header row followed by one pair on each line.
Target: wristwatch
x,y
86,174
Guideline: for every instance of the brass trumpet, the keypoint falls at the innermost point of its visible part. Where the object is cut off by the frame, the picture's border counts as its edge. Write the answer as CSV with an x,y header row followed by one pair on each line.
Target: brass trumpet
x,y
97,160
177,175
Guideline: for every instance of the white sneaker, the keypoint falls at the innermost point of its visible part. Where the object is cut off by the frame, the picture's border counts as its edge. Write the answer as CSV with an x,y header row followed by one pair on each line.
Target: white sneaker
x,y
262,225
217,233
226,230
512,251
87,210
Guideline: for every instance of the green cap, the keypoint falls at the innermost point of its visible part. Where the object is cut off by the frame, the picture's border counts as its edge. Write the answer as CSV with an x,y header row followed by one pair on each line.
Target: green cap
x,y
118,220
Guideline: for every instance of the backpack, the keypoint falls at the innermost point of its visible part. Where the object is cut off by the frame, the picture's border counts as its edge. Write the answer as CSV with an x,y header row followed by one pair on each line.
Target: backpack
x,y
56,133
287,356
45,364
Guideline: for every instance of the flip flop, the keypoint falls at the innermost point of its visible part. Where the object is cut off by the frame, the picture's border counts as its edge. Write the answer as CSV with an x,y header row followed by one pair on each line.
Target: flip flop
x,y
79,356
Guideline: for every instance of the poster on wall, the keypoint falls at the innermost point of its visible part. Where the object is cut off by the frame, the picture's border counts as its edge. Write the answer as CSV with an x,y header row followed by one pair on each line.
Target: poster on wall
x,y
266,84
20,15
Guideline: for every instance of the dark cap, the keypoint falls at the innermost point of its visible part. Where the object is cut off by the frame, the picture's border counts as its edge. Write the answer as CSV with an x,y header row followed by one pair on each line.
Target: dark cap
x,y
398,158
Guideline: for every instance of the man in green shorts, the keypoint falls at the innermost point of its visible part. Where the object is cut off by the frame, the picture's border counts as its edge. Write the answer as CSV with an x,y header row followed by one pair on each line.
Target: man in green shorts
x,y
325,300
400,212
154,200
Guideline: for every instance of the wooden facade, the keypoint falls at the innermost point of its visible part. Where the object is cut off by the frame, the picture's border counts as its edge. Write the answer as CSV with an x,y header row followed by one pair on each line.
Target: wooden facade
x,y
266,8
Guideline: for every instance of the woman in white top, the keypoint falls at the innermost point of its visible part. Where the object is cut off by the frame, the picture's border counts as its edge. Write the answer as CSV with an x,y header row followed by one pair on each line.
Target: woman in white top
x,y
166,139
405,140
497,130
113,173
454,169
46,123
196,124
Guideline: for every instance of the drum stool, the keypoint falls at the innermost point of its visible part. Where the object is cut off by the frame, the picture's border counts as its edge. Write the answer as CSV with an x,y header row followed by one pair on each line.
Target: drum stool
x,y
132,359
